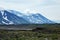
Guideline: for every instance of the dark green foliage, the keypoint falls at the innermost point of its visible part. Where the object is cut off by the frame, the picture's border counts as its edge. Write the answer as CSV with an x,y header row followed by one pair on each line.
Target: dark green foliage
x,y
26,35
48,32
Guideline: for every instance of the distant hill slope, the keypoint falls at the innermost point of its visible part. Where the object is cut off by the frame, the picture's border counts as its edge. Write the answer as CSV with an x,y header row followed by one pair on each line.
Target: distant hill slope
x,y
14,17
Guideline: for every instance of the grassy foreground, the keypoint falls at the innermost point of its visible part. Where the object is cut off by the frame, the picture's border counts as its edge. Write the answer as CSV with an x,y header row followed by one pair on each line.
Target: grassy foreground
x,y
48,32
27,35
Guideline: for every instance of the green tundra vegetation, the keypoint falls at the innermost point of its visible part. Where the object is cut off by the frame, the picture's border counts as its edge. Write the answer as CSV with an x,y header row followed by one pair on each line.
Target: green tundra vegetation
x,y
48,32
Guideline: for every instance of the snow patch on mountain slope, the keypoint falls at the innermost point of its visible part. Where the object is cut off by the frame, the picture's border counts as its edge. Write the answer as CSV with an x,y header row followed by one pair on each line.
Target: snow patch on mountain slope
x,y
15,17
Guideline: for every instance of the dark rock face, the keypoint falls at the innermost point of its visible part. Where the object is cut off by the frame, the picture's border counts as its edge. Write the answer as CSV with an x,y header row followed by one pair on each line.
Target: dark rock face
x,y
11,17
1,17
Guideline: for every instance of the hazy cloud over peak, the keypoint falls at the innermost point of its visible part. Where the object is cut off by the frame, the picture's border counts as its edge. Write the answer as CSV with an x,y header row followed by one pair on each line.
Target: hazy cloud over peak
x,y
48,8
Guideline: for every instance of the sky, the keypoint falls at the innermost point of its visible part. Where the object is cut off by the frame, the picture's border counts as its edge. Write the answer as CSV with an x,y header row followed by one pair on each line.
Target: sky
x,y
48,8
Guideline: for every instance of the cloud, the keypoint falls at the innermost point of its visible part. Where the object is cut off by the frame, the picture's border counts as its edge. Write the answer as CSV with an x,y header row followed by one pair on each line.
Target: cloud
x,y
48,8
57,1
19,4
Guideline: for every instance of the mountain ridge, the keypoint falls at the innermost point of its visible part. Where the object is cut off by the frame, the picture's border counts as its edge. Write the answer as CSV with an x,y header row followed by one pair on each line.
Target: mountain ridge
x,y
14,17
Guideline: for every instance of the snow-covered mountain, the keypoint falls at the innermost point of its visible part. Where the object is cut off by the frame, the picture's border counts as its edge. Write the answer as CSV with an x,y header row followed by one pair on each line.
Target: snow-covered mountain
x,y
14,17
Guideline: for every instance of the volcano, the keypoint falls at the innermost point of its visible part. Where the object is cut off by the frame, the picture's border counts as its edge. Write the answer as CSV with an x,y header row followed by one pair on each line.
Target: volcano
x,y
15,17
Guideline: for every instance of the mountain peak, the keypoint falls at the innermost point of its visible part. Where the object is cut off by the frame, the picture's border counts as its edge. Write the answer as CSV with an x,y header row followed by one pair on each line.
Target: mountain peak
x,y
15,17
